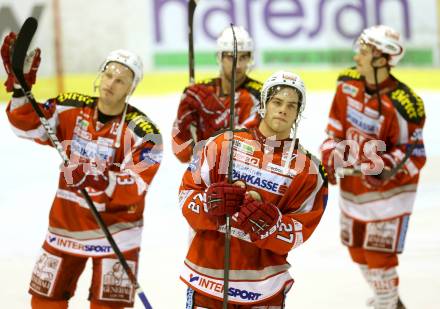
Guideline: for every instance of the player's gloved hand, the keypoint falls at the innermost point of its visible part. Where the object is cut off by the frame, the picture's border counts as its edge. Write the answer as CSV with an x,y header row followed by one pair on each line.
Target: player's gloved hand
x,y
224,198
210,107
84,175
257,218
328,152
31,63
380,177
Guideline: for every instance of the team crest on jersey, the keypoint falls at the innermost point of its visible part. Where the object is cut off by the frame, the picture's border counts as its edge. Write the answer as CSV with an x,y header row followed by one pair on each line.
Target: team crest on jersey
x,y
350,89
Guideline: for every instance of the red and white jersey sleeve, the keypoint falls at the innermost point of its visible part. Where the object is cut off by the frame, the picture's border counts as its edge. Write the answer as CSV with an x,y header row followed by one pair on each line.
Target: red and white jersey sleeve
x,y
132,167
193,111
259,268
354,117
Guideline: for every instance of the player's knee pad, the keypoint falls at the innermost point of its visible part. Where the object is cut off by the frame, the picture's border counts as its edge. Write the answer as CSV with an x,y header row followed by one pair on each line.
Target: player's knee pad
x,y
44,303
385,286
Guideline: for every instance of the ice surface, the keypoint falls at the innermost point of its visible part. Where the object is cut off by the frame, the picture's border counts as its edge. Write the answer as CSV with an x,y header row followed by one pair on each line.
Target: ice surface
x,y
324,275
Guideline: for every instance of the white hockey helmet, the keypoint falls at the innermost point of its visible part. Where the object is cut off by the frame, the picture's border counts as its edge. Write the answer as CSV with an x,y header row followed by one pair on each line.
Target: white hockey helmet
x,y
385,39
225,42
128,59
282,78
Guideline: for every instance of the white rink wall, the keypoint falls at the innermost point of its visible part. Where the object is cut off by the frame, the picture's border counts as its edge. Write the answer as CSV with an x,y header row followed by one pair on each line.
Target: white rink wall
x,y
324,276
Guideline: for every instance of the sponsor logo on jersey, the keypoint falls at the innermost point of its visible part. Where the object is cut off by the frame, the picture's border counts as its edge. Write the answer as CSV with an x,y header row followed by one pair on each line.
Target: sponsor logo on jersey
x,y
354,103
116,285
243,147
193,278
371,112
217,286
350,89
65,243
105,141
140,121
261,179
239,156
91,150
280,169
363,122
75,97
419,151
150,156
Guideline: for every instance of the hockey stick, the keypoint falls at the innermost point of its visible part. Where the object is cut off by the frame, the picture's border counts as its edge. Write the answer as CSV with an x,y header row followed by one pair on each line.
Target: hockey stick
x,y
386,174
230,167
21,46
192,4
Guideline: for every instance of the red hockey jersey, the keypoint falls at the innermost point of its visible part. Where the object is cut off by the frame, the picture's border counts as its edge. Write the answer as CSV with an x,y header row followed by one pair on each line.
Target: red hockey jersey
x,y
191,110
132,166
258,270
354,116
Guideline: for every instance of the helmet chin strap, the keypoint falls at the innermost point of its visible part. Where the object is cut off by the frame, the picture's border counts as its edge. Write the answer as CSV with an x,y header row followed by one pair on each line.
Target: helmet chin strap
x,y
376,83
121,124
291,149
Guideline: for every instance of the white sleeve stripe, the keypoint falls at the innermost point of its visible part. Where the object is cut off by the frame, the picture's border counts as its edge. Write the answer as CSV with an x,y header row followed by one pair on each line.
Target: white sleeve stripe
x,y
39,132
308,203
111,184
335,123
403,129
17,102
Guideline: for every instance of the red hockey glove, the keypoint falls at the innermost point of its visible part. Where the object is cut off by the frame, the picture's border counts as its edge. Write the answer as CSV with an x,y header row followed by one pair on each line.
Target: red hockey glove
x,y
86,175
214,114
31,63
328,150
382,176
258,218
224,199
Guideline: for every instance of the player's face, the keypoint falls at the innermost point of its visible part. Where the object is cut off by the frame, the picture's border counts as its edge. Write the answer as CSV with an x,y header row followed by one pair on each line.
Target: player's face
x,y
243,61
281,113
364,57
115,84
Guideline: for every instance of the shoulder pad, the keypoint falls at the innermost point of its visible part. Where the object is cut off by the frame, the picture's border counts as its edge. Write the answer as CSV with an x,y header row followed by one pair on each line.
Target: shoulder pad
x,y
208,82
316,161
74,99
253,86
211,82
139,123
408,103
349,74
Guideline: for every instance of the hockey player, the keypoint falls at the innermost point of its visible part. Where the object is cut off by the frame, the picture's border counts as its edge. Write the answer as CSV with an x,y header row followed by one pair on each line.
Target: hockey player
x,y
277,200
384,119
114,152
204,107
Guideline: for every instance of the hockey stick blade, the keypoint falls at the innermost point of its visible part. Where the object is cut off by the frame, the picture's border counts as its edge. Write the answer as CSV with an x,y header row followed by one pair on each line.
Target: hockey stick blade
x,y
21,47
